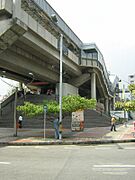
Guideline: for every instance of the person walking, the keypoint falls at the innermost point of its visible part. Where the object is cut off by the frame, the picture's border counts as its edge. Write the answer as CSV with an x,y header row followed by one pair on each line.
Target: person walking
x,y
113,123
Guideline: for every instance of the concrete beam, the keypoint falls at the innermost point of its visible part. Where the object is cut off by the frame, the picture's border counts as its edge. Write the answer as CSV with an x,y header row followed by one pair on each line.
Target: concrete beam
x,y
32,40
13,76
25,66
10,31
6,7
80,80
5,25
37,33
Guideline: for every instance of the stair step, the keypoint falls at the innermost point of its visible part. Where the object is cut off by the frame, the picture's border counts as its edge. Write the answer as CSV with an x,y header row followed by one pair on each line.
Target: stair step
x,y
92,117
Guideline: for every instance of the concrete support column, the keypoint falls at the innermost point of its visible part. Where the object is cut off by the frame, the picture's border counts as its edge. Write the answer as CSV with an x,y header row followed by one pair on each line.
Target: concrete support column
x,y
110,105
93,86
114,98
67,89
106,105
17,9
112,102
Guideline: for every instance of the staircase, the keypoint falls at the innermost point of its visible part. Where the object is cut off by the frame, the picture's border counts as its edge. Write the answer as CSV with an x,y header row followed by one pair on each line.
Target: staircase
x,y
7,110
92,117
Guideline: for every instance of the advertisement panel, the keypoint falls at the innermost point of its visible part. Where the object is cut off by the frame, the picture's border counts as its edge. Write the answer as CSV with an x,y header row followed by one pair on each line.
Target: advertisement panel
x,y
77,123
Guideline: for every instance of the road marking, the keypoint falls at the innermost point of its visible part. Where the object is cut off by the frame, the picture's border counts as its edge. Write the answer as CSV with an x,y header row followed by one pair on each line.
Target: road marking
x,y
71,147
107,145
103,148
115,173
114,166
6,163
129,148
15,147
113,169
41,147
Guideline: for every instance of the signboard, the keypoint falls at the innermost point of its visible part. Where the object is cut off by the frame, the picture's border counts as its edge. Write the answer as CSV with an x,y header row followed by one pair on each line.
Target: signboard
x,y
77,123
45,111
45,108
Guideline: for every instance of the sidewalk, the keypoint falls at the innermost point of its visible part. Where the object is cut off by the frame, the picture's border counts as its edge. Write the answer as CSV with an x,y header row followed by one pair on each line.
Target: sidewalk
x,y
97,135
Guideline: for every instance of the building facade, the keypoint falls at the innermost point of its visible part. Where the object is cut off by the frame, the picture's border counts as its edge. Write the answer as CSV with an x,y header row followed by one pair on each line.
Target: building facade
x,y
30,44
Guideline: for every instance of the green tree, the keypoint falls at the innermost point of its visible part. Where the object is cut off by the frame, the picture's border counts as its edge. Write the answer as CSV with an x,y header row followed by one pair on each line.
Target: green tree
x,y
132,89
127,105
69,104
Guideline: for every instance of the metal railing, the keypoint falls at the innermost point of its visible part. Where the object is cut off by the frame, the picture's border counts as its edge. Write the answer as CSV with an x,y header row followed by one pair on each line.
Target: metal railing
x,y
44,5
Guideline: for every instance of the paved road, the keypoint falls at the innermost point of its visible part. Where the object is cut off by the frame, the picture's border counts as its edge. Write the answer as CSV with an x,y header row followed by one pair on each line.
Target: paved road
x,y
68,162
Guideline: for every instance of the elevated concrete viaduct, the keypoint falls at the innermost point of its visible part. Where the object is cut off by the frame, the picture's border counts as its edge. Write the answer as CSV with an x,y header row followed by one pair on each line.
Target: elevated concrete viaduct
x,y
29,42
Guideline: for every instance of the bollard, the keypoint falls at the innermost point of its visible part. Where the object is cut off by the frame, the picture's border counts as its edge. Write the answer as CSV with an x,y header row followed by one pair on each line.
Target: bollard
x,y
134,129
134,125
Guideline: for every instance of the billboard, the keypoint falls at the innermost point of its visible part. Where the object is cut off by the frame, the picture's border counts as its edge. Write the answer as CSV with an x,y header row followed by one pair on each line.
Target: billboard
x,y
77,123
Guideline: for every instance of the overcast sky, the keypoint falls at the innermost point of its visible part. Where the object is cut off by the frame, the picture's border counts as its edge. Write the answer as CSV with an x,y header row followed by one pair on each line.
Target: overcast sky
x,y
108,23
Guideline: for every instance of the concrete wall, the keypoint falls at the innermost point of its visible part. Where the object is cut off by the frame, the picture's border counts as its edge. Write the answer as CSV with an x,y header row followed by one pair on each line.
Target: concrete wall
x,y
6,6
67,89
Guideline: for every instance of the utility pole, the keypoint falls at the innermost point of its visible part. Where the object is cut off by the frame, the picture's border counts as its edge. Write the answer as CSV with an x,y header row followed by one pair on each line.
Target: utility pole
x,y
55,20
15,117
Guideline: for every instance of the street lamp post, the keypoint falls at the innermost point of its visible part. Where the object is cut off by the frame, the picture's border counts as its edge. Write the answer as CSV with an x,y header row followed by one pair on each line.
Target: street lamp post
x,y
15,115
123,94
60,88
32,76
55,20
123,89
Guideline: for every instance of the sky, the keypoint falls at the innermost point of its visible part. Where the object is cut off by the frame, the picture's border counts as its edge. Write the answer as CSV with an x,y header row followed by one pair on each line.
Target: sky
x,y
108,23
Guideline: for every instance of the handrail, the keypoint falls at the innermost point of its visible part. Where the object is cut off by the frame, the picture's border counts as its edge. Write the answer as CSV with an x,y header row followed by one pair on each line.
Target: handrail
x,y
45,6
100,66
7,100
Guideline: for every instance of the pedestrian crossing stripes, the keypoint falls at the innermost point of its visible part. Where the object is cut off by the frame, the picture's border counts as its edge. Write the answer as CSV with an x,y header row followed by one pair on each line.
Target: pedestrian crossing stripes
x,y
5,163
114,166
113,169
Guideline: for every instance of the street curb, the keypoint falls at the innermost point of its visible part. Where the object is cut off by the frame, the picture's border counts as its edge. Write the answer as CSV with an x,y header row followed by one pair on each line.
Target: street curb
x,y
61,142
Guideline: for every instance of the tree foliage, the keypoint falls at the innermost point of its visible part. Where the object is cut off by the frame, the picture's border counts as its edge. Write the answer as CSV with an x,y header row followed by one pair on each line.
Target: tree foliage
x,y
69,104
132,89
128,106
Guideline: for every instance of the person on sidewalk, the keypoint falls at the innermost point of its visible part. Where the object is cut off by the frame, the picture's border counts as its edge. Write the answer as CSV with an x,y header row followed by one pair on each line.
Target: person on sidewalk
x,y
56,127
113,123
20,119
